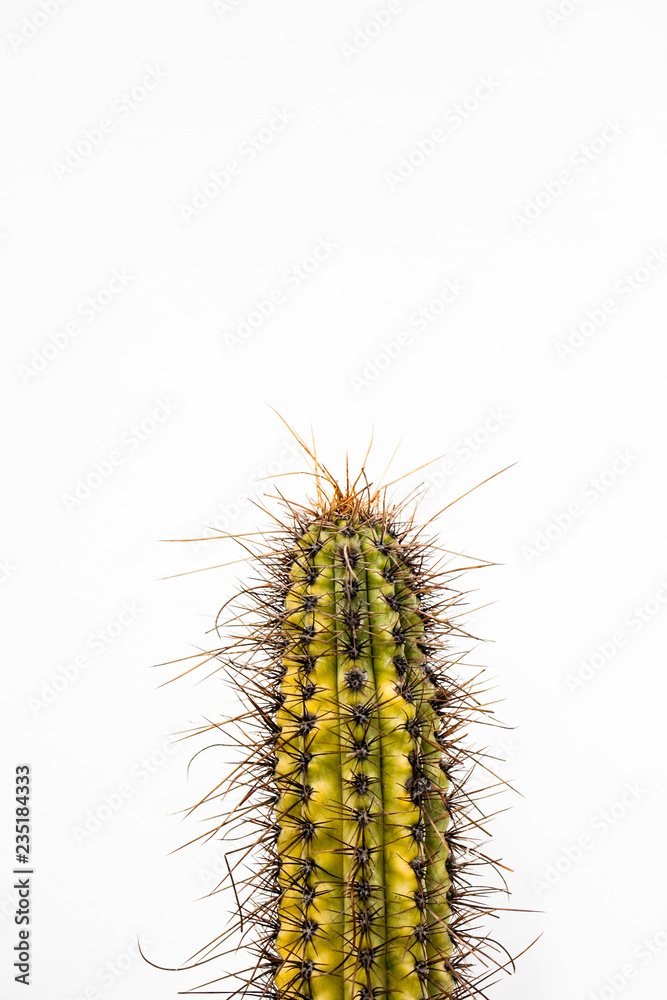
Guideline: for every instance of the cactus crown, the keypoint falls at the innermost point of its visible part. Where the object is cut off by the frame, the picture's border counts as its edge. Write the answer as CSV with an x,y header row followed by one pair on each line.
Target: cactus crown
x,y
366,879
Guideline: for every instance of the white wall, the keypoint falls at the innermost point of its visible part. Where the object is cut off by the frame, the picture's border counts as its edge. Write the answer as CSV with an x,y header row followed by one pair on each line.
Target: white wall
x,y
454,218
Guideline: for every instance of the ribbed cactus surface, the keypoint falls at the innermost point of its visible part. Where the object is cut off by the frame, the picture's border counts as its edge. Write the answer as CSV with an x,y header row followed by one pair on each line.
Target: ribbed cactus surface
x,y
362,810
360,874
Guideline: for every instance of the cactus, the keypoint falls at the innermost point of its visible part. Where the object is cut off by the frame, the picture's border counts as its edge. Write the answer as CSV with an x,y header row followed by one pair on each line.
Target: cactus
x,y
355,799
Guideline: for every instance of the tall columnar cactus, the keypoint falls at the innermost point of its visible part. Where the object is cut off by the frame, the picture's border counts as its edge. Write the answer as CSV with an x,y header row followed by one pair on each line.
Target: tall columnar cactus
x,y
355,798
362,784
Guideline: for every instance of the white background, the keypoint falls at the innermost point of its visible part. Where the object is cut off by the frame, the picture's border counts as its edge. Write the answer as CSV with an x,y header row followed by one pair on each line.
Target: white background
x,y
550,357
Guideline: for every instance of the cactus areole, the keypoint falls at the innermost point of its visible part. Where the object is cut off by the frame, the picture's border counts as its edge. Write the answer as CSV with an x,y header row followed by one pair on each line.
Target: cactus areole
x,y
367,877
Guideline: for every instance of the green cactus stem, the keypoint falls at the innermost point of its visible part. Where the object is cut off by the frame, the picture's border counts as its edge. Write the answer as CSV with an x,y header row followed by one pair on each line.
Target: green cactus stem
x,y
357,777
357,762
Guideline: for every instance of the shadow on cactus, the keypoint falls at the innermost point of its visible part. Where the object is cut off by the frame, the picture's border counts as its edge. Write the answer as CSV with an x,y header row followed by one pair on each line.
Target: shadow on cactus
x,y
362,871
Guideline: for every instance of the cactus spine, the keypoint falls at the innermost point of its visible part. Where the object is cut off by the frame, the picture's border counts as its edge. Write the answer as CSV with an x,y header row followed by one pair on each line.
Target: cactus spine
x,y
357,777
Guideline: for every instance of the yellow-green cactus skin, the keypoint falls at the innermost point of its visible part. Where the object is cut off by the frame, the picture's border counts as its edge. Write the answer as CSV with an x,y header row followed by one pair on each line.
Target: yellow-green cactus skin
x,y
354,797
363,807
